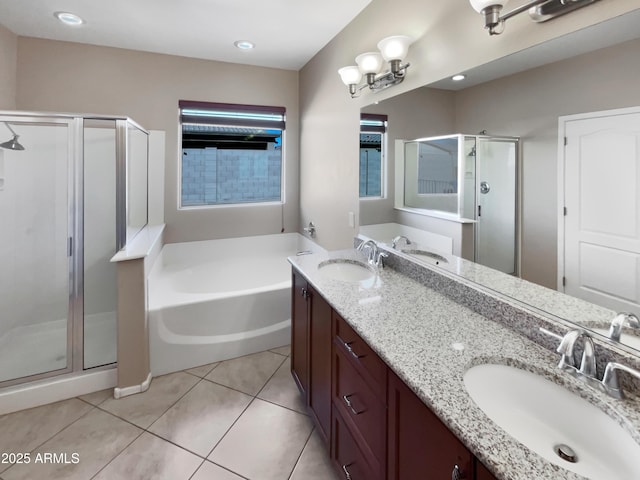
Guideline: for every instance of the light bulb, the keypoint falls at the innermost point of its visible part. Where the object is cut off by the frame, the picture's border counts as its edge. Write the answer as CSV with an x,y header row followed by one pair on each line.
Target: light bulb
x,y
350,75
370,62
394,48
480,5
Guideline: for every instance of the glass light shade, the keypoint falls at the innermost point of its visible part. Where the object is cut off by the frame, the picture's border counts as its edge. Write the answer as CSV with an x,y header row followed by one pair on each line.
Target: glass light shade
x,y
350,75
370,62
394,48
479,5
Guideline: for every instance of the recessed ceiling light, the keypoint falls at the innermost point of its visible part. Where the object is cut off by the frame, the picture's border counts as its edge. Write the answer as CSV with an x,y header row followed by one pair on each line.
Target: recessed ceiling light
x,y
244,44
68,18
458,78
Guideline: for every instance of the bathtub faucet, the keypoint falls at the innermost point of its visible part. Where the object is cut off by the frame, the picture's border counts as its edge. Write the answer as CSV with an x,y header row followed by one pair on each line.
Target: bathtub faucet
x,y
395,241
310,229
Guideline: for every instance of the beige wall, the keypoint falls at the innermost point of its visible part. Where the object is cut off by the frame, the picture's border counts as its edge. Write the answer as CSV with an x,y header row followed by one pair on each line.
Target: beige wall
x,y
8,59
61,76
450,38
528,106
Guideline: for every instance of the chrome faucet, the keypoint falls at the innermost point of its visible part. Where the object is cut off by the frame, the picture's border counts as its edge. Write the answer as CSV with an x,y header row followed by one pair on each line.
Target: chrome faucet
x,y
587,371
568,362
622,320
374,255
394,242
310,229
372,248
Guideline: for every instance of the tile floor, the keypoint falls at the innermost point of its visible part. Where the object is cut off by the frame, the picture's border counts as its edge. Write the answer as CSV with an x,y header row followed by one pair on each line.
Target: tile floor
x,y
241,418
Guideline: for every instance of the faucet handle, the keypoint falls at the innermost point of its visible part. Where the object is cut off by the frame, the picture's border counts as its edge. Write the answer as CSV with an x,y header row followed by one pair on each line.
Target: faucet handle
x,y
610,379
379,262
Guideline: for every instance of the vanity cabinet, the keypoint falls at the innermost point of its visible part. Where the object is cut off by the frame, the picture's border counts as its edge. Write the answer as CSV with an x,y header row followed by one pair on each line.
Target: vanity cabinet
x,y
420,445
300,333
311,351
482,473
359,403
374,426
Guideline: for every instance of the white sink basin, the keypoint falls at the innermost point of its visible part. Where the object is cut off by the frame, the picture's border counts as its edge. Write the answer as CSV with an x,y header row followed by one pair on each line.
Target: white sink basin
x,y
543,415
346,270
425,255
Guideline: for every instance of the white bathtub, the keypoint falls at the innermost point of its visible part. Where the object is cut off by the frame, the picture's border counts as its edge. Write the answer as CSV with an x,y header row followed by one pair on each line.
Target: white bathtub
x,y
219,299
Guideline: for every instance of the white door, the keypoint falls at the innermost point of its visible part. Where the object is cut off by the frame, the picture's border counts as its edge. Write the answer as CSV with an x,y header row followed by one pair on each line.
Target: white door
x,y
602,201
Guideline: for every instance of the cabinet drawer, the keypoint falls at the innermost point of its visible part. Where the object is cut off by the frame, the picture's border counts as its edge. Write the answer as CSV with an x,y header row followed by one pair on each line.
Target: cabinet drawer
x,y
361,408
365,360
347,457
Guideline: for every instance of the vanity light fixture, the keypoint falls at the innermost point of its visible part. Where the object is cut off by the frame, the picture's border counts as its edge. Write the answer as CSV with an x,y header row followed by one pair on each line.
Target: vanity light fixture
x,y
393,50
458,78
70,19
539,11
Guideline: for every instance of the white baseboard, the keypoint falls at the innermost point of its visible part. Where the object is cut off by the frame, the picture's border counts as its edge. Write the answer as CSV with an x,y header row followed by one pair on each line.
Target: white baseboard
x,y
54,389
126,391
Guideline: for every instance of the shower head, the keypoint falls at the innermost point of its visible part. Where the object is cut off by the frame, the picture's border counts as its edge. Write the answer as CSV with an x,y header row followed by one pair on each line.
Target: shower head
x,y
12,144
472,153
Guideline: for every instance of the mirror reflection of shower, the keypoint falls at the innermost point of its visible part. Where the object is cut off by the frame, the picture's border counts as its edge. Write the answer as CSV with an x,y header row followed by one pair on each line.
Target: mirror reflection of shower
x,y
12,144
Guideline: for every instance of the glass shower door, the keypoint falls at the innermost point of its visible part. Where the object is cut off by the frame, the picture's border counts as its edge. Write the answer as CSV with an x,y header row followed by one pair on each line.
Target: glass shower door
x,y
36,214
496,176
100,297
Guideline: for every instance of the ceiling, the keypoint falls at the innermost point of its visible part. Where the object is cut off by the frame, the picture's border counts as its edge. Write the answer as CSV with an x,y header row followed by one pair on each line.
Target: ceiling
x,y
286,33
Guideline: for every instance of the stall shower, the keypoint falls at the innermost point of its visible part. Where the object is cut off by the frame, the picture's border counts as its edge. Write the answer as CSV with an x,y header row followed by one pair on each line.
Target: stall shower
x,y
64,212
471,179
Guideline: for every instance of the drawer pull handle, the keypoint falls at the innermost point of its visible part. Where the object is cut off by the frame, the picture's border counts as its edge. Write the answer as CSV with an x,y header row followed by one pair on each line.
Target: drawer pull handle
x,y
347,475
350,405
456,473
347,345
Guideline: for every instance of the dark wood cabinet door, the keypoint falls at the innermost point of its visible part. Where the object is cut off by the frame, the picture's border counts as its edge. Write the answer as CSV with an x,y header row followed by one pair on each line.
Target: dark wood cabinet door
x,y
320,363
348,459
420,446
482,473
361,409
300,333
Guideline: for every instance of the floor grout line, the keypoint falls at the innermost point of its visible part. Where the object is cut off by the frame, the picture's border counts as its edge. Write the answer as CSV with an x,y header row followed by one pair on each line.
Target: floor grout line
x,y
118,454
57,433
301,452
204,459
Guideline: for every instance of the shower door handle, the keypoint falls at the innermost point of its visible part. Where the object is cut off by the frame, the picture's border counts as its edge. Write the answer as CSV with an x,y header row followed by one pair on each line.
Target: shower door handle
x,y
70,247
479,210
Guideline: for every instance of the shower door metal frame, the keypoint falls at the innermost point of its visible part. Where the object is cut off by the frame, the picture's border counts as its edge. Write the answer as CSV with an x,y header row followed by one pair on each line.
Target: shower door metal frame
x,y
75,224
74,304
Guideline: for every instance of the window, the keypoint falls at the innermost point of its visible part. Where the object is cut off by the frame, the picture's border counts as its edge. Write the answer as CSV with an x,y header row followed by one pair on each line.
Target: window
x,y
231,154
372,142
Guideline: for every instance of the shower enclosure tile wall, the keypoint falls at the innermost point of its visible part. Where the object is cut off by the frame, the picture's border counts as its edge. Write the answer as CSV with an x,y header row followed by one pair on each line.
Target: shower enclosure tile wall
x,y
64,210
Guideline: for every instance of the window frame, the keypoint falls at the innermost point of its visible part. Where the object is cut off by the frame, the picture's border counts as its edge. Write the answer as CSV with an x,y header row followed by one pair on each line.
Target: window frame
x,y
232,120
376,123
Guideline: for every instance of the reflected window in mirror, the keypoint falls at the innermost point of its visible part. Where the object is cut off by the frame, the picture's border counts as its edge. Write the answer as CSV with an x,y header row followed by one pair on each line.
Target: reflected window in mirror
x,y
373,130
432,169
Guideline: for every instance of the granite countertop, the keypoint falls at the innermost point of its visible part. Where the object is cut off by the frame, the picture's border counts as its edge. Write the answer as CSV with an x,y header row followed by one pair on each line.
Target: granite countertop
x,y
430,341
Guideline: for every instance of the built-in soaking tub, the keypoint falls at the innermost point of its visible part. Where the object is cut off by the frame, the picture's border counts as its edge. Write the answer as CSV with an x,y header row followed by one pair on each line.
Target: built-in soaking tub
x,y
218,299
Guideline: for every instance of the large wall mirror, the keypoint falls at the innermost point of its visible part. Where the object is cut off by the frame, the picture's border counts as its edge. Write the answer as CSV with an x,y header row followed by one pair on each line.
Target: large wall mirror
x,y
523,95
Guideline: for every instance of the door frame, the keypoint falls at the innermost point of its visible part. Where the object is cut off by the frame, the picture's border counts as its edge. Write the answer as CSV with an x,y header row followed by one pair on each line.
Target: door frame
x,y
562,124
